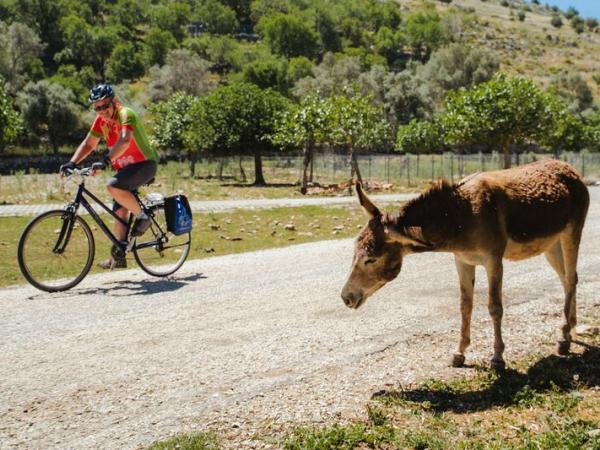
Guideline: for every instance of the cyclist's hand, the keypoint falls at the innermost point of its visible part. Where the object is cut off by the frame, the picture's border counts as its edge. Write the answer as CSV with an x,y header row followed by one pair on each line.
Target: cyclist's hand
x,y
98,167
66,167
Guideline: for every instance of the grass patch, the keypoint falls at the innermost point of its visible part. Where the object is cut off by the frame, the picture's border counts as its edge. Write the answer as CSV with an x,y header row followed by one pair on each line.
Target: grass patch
x,y
195,441
216,234
340,437
545,402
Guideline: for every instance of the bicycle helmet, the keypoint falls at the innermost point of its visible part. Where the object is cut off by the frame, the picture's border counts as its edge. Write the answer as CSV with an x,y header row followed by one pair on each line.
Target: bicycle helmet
x,y
100,92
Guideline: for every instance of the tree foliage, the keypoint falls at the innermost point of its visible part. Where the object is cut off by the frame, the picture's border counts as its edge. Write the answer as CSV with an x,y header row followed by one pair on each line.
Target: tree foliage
x,y
20,48
504,111
425,33
420,137
10,120
288,35
49,109
238,118
183,71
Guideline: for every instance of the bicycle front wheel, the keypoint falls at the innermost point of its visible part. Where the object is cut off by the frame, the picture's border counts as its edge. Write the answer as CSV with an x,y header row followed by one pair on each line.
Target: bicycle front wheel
x,y
56,251
159,252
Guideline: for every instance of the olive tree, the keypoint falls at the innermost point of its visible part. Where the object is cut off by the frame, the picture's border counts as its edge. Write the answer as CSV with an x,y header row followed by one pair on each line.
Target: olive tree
x,y
49,109
183,71
20,47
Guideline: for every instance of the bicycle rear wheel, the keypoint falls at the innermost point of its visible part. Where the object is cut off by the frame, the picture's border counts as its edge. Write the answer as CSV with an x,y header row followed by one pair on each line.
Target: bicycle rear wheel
x,y
159,252
56,251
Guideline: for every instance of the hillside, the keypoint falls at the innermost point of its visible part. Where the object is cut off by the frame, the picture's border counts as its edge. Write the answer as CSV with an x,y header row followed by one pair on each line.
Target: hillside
x,y
533,47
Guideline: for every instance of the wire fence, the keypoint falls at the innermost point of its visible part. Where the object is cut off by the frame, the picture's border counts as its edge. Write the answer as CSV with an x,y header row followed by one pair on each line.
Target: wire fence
x,y
404,170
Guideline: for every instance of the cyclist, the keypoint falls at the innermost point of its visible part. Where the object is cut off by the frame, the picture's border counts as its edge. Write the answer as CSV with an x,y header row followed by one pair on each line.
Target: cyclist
x,y
130,154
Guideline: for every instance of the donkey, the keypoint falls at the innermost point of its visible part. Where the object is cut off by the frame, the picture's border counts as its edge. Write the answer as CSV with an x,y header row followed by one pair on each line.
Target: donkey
x,y
514,214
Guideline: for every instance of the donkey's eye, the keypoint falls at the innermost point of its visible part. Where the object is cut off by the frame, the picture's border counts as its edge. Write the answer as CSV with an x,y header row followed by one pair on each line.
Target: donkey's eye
x,y
370,261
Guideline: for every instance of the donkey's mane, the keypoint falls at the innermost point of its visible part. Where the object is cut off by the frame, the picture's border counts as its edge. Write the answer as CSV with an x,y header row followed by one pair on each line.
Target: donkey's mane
x,y
434,216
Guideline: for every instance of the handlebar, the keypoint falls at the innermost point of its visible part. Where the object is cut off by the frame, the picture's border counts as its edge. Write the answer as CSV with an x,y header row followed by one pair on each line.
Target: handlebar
x,y
83,172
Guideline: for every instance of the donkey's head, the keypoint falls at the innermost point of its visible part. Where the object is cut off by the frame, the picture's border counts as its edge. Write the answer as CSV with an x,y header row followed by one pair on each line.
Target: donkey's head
x,y
378,254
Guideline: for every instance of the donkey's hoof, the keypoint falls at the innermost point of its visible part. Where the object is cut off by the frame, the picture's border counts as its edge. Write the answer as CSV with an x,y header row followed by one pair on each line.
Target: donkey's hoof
x,y
497,364
563,348
458,360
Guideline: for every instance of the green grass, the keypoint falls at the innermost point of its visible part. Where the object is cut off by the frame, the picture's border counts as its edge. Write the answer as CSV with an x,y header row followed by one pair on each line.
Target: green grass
x,y
216,234
545,402
197,441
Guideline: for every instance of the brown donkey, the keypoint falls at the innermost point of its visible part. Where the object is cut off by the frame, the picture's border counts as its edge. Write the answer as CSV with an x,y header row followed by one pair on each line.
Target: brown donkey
x,y
515,214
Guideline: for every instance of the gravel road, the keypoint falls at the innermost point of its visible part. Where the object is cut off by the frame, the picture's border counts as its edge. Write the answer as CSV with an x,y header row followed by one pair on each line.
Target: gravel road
x,y
248,345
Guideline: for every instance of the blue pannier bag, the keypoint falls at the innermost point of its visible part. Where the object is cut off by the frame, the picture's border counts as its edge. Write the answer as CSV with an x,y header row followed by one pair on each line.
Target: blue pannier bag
x,y
178,214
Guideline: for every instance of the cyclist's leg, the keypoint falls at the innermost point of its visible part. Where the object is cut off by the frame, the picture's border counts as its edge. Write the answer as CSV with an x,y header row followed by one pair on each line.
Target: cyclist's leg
x,y
117,256
121,185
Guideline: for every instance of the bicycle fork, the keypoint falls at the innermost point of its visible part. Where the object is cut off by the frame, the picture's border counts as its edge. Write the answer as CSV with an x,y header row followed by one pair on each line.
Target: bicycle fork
x,y
64,236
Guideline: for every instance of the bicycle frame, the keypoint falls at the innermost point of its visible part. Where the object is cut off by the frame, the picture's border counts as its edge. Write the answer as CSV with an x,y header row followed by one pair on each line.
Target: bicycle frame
x,y
80,199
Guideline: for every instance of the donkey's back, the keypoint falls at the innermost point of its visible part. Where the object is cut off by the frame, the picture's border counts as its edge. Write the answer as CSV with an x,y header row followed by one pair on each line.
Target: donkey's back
x,y
529,206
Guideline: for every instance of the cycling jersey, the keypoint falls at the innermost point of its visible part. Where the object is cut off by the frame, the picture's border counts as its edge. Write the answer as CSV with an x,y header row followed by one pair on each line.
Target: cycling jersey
x,y
139,149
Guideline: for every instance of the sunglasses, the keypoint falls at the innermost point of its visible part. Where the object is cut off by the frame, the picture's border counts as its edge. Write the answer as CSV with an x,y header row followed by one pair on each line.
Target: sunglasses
x,y
102,107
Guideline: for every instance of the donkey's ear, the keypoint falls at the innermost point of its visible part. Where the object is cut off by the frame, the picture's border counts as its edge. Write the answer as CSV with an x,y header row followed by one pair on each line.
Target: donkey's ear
x,y
412,236
366,204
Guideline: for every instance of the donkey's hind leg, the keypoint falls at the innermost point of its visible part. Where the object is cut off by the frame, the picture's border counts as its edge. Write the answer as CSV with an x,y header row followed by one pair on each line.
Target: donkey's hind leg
x,y
554,256
569,243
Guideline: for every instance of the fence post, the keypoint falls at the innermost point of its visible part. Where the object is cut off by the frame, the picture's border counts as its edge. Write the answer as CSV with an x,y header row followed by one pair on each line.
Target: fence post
x,y
432,164
407,170
387,168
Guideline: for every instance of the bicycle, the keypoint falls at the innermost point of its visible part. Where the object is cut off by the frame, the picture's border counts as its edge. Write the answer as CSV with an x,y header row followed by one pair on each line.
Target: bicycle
x,y
56,249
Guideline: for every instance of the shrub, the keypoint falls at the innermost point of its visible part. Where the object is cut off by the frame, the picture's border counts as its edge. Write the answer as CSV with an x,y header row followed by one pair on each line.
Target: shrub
x,y
556,21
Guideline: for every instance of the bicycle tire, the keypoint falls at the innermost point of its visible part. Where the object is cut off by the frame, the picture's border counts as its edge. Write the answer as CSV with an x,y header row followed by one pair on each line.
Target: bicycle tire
x,y
52,271
157,257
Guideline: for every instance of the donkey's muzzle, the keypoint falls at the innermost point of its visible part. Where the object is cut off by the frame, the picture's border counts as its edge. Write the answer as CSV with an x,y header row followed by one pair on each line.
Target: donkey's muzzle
x,y
353,299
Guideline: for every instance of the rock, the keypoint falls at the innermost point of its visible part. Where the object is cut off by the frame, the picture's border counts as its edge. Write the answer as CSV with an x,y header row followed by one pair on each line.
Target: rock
x,y
214,226
290,226
587,330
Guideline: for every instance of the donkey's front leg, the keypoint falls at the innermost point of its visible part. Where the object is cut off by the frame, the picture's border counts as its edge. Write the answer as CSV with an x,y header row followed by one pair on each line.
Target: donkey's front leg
x,y
466,276
494,271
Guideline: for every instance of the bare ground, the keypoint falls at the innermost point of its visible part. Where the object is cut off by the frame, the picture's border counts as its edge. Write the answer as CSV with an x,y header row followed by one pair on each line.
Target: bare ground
x,y
250,345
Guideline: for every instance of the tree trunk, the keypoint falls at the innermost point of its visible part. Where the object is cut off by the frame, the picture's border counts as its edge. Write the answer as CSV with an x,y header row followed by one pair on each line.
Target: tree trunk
x,y
242,172
53,143
356,168
193,165
259,179
220,169
506,151
307,153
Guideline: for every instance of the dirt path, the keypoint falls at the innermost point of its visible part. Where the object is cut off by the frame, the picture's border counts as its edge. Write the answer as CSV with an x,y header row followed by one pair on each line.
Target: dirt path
x,y
248,343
